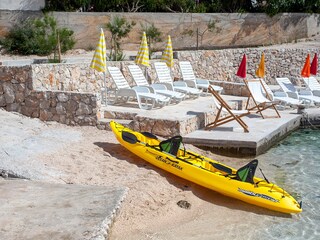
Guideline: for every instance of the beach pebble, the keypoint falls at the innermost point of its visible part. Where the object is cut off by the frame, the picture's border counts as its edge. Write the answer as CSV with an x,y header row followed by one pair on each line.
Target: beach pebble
x,y
184,204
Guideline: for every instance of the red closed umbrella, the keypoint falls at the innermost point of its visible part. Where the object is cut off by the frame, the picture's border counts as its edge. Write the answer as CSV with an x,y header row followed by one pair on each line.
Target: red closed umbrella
x,y
242,71
314,65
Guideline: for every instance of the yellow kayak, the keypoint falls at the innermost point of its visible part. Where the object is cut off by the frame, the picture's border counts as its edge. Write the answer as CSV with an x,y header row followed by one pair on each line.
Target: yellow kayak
x,y
241,184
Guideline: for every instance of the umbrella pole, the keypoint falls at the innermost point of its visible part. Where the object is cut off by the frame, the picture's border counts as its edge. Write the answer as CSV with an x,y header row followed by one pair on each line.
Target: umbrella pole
x,y
146,74
104,89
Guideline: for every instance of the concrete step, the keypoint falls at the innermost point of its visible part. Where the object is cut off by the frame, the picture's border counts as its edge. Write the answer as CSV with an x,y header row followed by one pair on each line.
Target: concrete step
x,y
104,123
107,112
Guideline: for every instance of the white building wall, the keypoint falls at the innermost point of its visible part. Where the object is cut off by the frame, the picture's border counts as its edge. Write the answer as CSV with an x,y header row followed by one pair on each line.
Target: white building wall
x,y
31,5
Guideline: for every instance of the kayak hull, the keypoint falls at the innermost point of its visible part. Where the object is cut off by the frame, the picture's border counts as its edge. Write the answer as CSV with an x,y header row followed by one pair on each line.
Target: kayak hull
x,y
200,170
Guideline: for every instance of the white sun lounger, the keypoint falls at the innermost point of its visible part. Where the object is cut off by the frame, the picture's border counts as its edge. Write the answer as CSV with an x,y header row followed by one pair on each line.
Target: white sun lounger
x,y
142,95
140,80
292,92
189,76
282,97
313,85
257,94
164,76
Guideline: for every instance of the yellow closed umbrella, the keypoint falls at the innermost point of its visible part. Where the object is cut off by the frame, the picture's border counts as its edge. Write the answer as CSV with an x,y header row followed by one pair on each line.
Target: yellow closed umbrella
x,y
167,55
99,61
143,53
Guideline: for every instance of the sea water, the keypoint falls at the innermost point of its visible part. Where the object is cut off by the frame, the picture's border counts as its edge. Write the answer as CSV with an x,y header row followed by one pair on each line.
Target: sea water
x,y
294,164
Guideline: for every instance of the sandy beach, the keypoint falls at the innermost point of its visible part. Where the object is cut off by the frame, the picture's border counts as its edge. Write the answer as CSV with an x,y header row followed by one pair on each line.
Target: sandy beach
x,y
86,155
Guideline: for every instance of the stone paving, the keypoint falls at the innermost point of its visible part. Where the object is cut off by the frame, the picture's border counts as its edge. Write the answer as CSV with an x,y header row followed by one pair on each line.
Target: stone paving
x,y
37,210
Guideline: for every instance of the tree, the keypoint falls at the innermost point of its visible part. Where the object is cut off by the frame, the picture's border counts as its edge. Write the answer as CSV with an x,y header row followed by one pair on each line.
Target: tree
x,y
119,28
52,39
237,5
39,36
153,35
269,6
211,26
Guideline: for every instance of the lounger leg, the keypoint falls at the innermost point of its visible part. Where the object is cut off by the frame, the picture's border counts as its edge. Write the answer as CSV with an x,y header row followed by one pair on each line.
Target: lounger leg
x,y
214,123
143,103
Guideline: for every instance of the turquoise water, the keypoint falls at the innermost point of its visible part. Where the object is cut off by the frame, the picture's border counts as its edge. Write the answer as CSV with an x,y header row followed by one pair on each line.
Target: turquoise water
x,y
294,164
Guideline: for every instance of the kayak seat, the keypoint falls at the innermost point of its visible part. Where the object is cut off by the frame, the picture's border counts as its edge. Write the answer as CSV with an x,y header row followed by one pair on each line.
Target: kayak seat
x,y
149,135
222,168
171,145
246,173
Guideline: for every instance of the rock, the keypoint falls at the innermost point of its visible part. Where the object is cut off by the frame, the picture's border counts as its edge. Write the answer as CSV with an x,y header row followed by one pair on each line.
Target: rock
x,y
83,109
62,97
3,102
184,204
60,109
9,93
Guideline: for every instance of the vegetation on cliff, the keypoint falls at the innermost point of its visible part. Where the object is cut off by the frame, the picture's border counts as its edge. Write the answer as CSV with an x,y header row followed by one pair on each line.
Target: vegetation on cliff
x,y
270,7
40,36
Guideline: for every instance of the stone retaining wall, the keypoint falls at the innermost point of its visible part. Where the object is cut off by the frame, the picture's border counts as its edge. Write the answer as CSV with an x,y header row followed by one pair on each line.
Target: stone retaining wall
x,y
218,65
70,93
222,65
17,94
310,121
81,78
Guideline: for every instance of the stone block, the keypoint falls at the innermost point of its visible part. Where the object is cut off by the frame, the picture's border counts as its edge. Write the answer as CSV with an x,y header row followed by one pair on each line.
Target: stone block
x,y
3,102
13,107
71,106
83,109
45,115
9,93
20,97
62,97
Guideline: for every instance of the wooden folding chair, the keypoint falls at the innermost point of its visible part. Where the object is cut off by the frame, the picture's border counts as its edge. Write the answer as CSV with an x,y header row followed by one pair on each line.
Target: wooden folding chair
x,y
231,114
257,95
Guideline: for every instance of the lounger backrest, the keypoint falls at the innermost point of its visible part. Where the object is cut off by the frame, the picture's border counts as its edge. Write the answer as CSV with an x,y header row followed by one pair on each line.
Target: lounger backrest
x,y
267,88
163,72
256,91
187,71
312,83
286,85
137,75
216,101
118,78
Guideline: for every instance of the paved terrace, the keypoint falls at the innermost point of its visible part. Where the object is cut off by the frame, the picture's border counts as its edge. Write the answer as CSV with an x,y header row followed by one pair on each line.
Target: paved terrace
x,y
189,117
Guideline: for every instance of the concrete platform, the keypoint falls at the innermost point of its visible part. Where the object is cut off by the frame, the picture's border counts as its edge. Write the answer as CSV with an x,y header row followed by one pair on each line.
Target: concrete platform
x,y
189,117
37,210
174,119
230,139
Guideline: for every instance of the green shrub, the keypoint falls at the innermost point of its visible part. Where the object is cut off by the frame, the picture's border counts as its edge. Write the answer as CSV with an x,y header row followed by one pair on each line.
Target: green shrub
x,y
20,40
119,28
153,36
38,36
